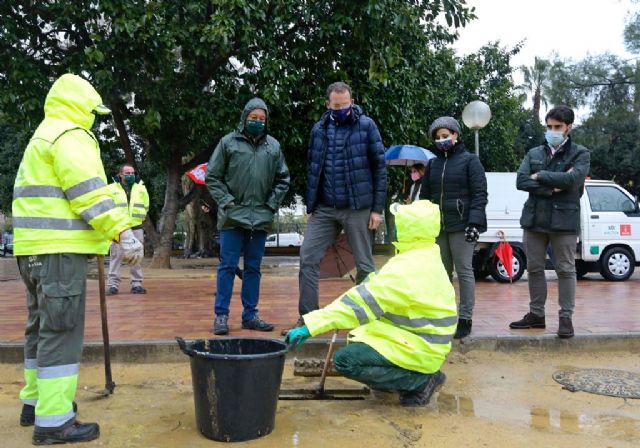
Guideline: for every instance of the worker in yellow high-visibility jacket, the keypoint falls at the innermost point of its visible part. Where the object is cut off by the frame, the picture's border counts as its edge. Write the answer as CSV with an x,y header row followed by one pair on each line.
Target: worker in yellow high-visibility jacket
x,y
62,213
129,192
403,318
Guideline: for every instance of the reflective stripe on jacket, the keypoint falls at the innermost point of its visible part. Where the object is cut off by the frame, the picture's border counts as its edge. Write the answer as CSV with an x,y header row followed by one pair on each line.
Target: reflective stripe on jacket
x,y
406,312
61,202
137,204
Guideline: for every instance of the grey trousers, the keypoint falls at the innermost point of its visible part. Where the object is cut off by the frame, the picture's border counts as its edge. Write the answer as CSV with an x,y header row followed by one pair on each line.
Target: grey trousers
x,y
115,261
56,296
322,229
564,249
458,253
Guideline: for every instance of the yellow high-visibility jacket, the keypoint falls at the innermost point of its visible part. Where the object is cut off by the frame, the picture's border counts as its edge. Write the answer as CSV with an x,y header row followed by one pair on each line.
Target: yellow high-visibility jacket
x,y
136,205
61,201
407,311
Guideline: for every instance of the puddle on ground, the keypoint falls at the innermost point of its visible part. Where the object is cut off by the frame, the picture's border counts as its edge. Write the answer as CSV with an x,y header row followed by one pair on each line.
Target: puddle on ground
x,y
613,426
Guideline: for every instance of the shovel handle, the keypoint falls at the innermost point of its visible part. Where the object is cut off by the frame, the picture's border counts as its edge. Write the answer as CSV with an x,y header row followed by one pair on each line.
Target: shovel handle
x,y
327,362
109,384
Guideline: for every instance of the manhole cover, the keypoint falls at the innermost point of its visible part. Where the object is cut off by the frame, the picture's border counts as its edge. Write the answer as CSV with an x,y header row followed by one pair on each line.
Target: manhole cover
x,y
614,383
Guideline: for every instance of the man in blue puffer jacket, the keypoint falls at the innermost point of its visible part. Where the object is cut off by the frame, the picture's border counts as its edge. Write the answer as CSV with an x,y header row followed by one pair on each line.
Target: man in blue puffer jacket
x,y
346,189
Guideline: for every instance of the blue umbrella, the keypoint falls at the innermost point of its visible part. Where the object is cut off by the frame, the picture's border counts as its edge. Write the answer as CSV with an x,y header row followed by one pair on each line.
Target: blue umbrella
x,y
406,155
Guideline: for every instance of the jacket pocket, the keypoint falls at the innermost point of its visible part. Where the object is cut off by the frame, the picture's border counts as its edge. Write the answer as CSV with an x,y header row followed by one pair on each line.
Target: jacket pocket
x,y
528,214
62,304
565,216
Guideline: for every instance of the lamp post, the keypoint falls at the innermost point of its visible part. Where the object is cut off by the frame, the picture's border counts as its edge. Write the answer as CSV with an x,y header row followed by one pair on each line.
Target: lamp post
x,y
476,115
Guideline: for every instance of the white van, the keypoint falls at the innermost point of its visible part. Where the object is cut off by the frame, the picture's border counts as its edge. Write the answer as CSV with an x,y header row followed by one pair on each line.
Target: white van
x,y
609,240
284,240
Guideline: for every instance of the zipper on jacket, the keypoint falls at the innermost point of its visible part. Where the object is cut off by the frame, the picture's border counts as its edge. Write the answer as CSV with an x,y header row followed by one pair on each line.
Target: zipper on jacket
x,y
446,158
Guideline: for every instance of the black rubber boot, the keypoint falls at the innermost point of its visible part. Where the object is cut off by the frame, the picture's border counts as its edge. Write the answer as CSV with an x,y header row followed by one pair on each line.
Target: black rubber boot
x,y
529,320
71,432
422,397
464,329
28,414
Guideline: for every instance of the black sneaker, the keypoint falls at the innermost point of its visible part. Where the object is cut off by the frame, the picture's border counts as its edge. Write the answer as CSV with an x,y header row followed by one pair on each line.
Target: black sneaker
x,y
138,290
70,432
220,325
112,291
256,324
565,328
422,397
28,414
529,320
300,323
464,328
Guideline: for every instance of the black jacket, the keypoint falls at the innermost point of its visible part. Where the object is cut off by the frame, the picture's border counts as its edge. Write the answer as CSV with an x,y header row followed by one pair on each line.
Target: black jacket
x,y
547,210
455,180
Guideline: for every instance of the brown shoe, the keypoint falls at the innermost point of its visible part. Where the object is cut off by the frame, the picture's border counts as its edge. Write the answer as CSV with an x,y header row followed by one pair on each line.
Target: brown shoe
x,y
565,328
299,323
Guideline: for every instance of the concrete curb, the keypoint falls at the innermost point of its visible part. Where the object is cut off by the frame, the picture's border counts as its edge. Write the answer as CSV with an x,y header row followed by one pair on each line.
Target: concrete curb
x,y
168,351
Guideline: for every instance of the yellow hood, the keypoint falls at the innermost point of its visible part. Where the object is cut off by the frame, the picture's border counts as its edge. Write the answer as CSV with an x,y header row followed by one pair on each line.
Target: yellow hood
x,y
417,224
74,99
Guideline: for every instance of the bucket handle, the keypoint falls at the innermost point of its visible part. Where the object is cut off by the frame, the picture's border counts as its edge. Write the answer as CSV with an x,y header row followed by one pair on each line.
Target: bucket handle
x,y
186,348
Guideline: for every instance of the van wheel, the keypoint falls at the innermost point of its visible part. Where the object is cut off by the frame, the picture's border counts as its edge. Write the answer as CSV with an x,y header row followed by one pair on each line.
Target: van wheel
x,y
617,264
499,273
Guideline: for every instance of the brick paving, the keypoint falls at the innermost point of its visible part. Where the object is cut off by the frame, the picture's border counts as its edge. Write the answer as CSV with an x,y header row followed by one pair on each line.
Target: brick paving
x,y
179,302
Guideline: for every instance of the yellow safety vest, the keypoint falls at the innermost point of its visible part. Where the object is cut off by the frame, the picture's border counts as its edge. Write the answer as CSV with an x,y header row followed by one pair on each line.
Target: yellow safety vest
x,y
61,201
137,204
407,311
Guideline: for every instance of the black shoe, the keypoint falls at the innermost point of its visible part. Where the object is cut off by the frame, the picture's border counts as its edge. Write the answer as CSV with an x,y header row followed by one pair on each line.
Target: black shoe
x,y
220,325
112,291
138,290
298,324
464,328
565,329
28,414
422,397
529,320
256,324
71,432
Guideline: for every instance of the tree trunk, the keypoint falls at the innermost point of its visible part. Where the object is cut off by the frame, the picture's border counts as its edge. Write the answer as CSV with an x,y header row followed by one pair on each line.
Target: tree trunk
x,y
536,103
168,216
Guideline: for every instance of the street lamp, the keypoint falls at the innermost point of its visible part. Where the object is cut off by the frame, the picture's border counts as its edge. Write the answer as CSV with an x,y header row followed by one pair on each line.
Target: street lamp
x,y
476,115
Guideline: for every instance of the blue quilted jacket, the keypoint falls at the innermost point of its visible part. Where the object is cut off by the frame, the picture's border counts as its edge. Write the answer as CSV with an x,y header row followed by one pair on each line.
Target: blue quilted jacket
x,y
346,167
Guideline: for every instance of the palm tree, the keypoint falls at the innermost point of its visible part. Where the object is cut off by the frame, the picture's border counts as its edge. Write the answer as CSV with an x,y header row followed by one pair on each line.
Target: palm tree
x,y
536,83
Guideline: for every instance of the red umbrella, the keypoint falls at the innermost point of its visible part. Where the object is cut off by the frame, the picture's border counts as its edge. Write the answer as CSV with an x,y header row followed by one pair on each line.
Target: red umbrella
x,y
504,252
197,174
338,259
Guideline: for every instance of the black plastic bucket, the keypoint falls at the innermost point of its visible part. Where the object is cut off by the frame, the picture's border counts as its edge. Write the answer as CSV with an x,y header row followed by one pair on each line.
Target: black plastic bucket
x,y
236,382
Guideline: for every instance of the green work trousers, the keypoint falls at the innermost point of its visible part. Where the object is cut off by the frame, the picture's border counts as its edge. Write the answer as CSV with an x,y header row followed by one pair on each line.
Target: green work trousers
x,y
360,362
56,290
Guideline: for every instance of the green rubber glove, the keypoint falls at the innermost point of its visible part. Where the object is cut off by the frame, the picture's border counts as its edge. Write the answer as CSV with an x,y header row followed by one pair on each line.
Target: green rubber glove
x,y
296,336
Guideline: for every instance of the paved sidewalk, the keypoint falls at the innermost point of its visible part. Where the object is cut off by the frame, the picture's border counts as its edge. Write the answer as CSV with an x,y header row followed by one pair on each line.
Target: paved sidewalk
x,y
179,303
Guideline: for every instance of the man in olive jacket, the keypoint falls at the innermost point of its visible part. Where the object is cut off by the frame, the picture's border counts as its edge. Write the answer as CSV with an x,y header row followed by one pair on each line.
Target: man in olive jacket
x,y
248,178
554,175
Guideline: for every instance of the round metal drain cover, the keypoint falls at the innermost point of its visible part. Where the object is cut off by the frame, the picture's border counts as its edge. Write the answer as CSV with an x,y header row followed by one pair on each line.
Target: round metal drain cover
x,y
614,383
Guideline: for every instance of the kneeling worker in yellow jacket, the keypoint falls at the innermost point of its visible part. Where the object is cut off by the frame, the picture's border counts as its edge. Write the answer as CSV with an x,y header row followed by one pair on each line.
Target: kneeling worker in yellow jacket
x,y
62,213
403,318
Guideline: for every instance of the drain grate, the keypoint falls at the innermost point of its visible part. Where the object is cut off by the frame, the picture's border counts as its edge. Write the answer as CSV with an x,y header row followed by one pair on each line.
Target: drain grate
x,y
614,383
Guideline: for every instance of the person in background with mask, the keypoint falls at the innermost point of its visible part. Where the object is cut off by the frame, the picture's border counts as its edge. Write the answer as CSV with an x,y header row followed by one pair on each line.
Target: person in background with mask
x,y
554,176
248,178
455,180
129,193
417,171
346,190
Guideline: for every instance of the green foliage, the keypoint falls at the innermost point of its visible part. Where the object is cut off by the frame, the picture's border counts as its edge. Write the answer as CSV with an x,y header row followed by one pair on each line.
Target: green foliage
x,y
11,144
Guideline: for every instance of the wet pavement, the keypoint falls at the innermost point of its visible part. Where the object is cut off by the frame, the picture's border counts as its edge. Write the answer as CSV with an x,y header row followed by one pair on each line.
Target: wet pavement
x,y
490,399
180,302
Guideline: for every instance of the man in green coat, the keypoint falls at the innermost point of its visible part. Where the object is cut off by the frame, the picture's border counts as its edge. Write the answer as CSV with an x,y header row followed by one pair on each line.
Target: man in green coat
x,y
248,178
554,175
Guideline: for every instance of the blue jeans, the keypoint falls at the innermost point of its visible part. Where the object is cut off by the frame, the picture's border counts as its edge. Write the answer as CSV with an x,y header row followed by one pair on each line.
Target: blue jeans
x,y
232,243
